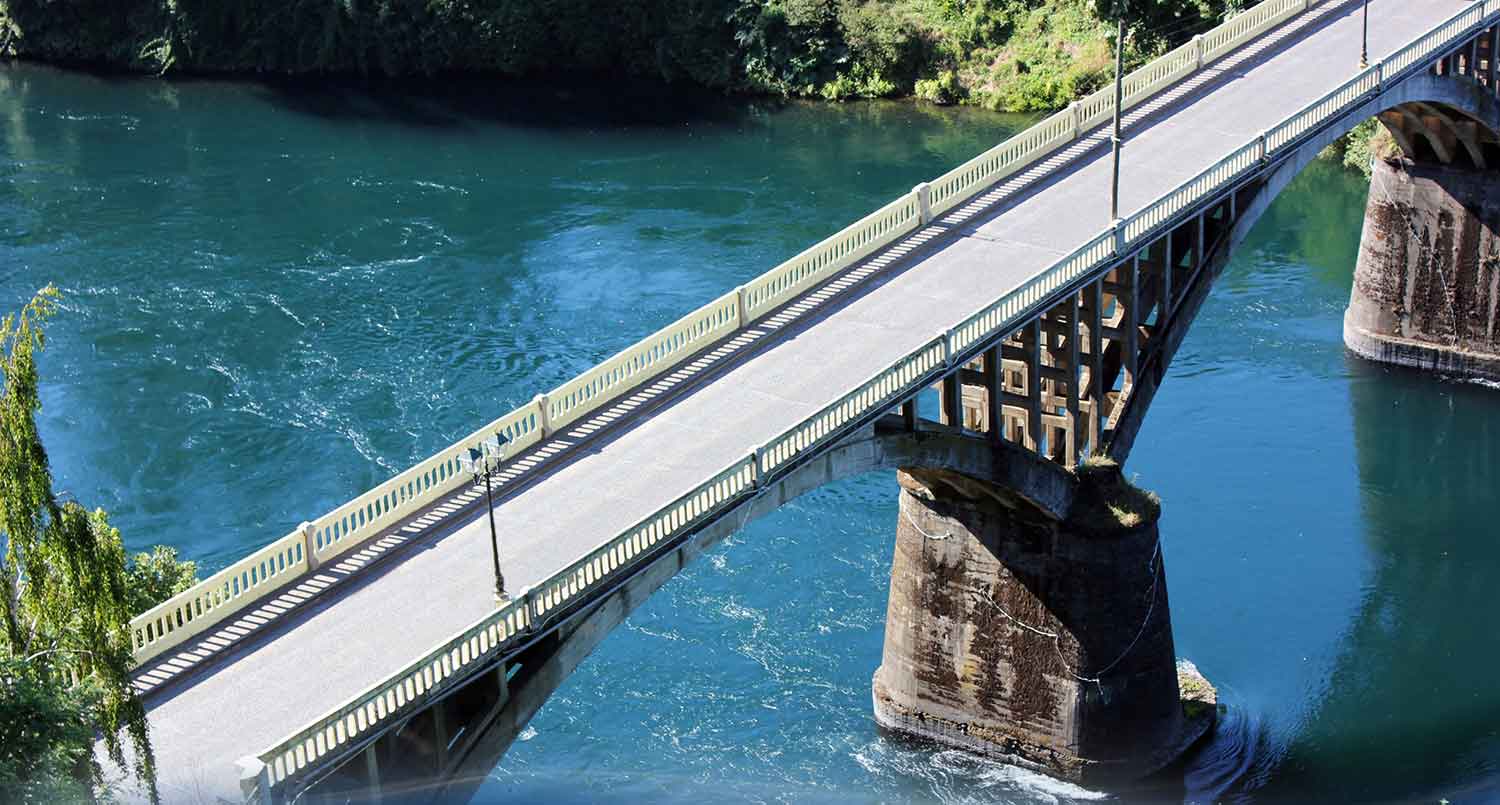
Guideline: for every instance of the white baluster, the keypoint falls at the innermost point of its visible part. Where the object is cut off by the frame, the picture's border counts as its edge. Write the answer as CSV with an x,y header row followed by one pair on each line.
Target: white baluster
x,y
309,544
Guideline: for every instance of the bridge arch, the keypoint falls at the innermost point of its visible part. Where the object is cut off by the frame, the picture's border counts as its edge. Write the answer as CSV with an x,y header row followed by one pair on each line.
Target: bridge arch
x,y
1424,290
536,672
1461,122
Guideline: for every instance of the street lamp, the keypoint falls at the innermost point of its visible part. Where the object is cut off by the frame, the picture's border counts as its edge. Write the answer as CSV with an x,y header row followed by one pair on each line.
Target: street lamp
x,y
480,464
1364,38
1114,188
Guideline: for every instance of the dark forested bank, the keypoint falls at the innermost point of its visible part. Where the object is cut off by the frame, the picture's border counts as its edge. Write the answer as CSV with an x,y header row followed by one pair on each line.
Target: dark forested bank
x,y
1004,54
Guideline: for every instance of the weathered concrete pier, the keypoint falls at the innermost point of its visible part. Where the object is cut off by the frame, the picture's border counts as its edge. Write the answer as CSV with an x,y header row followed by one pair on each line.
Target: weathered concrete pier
x,y
1045,642
1427,286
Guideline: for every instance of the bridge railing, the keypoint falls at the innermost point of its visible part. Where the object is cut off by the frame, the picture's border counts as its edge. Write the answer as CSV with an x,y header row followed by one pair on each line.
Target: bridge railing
x,y
355,522
498,632
1438,37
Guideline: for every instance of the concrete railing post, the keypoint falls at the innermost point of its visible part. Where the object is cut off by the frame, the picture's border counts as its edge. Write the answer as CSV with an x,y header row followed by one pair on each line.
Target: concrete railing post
x,y
741,308
529,607
947,336
309,544
755,471
255,780
543,415
923,192
1117,233
1077,119
1261,143
1198,52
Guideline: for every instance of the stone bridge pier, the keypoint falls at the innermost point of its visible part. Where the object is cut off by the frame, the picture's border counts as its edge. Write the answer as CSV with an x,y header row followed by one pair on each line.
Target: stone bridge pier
x,y
1037,636
1427,282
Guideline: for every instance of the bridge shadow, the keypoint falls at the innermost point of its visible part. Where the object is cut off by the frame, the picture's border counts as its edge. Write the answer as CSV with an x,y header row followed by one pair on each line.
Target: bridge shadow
x,y
257,627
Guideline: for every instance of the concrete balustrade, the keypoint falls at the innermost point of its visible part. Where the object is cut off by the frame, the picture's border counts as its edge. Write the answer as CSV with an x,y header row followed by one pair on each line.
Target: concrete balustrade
x,y
645,360
195,610
820,263
903,378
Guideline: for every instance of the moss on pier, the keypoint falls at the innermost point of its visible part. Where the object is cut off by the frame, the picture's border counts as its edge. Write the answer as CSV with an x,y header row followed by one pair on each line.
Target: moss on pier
x,y
1106,501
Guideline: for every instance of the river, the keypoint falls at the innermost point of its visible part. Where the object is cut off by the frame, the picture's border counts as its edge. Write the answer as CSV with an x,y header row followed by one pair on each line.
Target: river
x,y
277,297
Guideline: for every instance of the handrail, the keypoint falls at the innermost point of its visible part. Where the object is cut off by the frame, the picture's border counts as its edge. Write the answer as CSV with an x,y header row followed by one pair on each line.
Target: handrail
x,y
494,634
369,514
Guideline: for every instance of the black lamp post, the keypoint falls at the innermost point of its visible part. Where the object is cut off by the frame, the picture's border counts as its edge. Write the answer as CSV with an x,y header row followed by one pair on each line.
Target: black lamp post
x,y
1115,141
1364,38
481,463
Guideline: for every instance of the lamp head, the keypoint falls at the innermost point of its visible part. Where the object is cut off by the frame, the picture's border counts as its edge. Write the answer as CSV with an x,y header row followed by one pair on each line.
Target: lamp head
x,y
470,462
495,445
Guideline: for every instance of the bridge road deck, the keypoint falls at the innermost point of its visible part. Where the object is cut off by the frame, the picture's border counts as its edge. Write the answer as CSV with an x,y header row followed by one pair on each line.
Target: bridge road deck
x,y
359,633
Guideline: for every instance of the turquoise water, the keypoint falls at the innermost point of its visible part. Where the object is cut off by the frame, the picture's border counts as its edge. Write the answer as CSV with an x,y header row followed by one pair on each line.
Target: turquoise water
x,y
278,297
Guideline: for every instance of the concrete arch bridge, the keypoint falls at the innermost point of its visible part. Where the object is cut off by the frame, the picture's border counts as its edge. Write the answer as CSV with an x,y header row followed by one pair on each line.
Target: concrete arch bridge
x,y
363,656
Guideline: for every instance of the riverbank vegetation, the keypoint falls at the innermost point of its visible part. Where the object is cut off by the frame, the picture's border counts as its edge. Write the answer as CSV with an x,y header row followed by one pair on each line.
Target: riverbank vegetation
x,y
67,594
1369,140
1014,55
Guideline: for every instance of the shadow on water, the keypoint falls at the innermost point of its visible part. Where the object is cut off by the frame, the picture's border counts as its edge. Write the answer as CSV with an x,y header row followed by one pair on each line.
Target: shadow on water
x,y
1409,710
458,102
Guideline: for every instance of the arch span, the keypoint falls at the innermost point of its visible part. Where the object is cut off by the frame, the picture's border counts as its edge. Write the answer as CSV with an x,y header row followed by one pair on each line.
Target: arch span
x,y
1464,103
1453,105
532,675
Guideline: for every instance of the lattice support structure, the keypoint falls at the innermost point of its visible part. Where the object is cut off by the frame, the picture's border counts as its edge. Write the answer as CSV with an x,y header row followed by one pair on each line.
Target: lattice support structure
x,y
1060,383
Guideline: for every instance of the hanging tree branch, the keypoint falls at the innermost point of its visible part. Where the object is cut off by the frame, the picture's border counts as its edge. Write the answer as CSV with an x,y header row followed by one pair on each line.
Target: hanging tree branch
x,y
63,573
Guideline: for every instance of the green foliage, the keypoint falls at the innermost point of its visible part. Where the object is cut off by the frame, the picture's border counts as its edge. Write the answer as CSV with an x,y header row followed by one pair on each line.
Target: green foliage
x,y
1050,55
942,90
1366,141
151,578
1158,25
46,737
1006,54
1359,148
66,598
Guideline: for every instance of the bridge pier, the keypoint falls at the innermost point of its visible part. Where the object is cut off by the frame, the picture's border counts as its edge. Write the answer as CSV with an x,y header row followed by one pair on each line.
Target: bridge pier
x,y
1428,278
1043,642
1427,281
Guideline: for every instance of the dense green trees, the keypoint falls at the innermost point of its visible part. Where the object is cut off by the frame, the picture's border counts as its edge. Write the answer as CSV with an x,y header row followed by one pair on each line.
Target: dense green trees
x,y
67,594
1008,54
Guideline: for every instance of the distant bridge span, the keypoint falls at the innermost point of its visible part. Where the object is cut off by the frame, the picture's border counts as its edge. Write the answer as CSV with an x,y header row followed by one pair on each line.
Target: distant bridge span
x,y
278,674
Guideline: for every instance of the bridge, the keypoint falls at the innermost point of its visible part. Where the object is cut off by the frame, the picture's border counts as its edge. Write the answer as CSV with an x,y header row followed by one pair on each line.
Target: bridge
x,y
363,654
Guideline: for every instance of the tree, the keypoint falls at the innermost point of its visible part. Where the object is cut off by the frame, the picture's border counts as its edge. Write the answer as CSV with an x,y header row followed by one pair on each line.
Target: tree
x,y
152,578
66,599
46,738
1165,23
